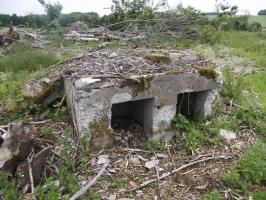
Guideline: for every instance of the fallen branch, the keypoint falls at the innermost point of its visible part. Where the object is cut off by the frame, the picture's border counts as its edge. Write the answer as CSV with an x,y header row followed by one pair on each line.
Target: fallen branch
x,y
168,174
84,189
29,160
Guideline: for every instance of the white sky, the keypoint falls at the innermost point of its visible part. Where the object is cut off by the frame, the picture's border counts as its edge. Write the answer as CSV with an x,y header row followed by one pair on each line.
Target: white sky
x,y
23,7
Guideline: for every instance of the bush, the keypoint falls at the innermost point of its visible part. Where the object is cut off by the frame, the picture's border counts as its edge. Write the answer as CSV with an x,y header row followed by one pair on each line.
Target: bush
x,y
250,169
210,34
255,27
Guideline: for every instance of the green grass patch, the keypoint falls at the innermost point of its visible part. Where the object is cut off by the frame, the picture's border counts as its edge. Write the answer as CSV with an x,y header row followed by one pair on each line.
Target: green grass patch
x,y
250,169
257,83
24,58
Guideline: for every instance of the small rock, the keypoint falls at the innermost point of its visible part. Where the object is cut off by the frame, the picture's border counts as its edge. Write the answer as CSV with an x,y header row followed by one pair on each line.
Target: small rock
x,y
139,193
113,55
151,164
227,135
132,184
202,187
112,197
83,183
135,161
102,159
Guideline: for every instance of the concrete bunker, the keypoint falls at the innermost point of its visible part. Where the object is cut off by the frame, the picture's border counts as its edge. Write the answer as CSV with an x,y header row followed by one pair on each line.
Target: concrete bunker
x,y
104,94
140,111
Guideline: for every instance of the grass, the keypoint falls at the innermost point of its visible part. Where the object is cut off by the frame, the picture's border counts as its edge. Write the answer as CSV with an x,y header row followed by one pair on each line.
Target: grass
x,y
249,170
25,58
20,63
253,46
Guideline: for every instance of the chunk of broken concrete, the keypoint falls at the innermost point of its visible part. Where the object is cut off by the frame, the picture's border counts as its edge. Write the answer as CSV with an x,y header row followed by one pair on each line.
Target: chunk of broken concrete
x,y
42,91
227,135
151,164
16,146
102,159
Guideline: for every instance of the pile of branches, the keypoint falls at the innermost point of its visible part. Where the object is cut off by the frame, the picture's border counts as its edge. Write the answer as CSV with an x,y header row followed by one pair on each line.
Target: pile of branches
x,y
182,27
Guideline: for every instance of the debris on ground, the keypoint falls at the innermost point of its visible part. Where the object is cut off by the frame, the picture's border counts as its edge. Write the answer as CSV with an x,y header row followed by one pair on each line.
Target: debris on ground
x,y
227,134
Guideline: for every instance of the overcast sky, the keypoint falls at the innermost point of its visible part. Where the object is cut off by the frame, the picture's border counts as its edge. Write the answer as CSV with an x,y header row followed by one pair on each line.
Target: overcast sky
x,y
23,7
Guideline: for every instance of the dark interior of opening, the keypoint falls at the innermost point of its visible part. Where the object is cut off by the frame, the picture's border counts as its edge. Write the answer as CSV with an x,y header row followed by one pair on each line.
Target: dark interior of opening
x,y
189,104
140,111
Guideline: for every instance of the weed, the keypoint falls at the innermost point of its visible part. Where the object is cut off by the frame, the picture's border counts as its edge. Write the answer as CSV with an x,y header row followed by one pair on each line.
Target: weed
x,y
214,195
180,123
250,169
50,190
233,86
118,183
7,187
153,145
259,195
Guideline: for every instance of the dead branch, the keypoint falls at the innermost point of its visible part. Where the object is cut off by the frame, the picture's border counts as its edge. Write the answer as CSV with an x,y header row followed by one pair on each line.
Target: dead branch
x,y
168,174
84,189
29,160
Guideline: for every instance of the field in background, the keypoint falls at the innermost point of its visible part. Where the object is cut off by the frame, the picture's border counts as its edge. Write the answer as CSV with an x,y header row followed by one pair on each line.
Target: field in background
x,y
260,19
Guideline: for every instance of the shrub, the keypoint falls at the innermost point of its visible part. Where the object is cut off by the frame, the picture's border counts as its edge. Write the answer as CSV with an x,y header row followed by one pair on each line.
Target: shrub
x,y
255,27
210,34
250,169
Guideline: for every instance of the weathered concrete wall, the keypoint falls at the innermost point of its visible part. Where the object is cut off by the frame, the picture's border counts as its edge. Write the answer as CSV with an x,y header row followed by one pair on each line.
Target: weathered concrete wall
x,y
90,100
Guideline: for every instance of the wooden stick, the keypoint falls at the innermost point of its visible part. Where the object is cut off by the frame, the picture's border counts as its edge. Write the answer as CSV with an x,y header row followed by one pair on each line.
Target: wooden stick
x,y
166,175
84,189
29,160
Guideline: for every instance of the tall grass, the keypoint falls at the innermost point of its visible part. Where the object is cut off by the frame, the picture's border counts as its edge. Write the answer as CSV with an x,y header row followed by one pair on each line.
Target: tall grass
x,y
24,58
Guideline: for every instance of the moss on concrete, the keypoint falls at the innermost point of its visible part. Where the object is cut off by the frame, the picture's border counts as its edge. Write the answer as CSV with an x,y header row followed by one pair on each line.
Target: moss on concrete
x,y
208,72
101,134
158,58
139,84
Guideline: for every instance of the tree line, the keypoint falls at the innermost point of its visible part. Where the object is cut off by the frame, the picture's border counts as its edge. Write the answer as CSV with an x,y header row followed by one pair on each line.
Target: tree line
x,y
92,19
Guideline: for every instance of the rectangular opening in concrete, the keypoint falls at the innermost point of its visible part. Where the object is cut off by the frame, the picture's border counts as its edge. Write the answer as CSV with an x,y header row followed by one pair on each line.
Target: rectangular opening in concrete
x,y
191,104
140,111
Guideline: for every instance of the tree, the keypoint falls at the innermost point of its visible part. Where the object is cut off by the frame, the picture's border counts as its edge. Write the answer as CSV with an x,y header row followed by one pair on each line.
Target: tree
x,y
262,12
222,7
53,11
